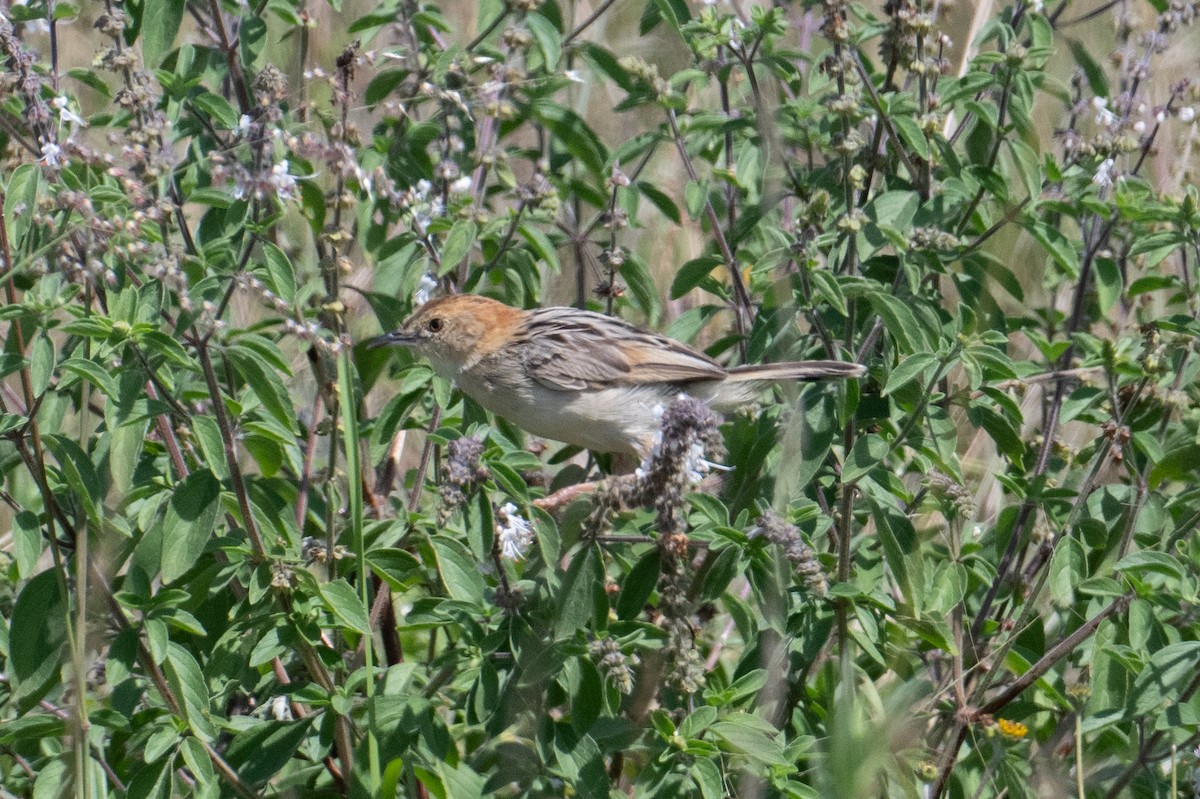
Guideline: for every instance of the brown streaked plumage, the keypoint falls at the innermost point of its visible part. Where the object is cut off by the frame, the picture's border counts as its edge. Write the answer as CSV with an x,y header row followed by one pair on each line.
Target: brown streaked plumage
x,y
577,376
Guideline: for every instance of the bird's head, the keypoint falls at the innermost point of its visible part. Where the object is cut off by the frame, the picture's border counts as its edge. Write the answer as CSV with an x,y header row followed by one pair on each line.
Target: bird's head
x,y
452,332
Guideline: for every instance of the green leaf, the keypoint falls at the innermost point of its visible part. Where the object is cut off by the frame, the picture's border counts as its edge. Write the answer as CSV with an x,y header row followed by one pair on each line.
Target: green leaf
x,y
252,36
20,198
1178,464
899,320
213,198
911,135
549,40
160,343
198,761
806,441
208,436
458,569
152,781
1150,561
188,525
901,550
1068,568
394,566
1159,684
828,290
346,606
281,272
93,373
27,542
638,585
41,364
693,273
80,473
576,597
266,385
33,727
541,245
695,197
868,451
36,636
125,450
1057,246
1109,283
751,736
160,25
1097,76
572,132
186,679
707,776
457,245
217,110
259,752
909,369
661,201
642,291
461,781
90,79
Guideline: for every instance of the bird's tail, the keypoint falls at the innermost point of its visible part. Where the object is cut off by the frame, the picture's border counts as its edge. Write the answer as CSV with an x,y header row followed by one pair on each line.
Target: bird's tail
x,y
744,383
797,370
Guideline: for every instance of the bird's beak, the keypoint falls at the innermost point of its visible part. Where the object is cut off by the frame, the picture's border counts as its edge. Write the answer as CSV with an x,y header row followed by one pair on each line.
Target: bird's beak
x,y
397,338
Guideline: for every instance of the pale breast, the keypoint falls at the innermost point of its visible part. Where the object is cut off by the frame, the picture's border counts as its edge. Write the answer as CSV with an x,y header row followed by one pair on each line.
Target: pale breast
x,y
618,419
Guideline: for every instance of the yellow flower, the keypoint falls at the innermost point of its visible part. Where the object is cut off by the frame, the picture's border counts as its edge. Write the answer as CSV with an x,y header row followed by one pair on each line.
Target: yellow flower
x,y
1013,730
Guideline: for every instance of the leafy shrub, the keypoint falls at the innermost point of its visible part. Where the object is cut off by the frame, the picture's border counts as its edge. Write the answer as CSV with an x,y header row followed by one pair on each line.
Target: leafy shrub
x,y
249,555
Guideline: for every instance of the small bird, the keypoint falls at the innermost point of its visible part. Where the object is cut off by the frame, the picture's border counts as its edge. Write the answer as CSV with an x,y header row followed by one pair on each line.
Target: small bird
x,y
577,376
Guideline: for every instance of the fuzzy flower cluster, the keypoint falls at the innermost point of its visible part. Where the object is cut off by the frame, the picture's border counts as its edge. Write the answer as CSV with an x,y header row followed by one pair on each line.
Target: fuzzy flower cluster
x,y
679,446
464,472
614,664
274,181
800,554
960,501
675,463
20,77
419,204
316,550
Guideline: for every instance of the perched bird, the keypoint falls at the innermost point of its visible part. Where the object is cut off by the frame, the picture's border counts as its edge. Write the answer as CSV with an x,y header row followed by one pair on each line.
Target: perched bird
x,y
577,376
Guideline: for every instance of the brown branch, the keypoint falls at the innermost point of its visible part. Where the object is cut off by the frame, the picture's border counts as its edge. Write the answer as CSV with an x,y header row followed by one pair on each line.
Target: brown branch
x,y
1054,654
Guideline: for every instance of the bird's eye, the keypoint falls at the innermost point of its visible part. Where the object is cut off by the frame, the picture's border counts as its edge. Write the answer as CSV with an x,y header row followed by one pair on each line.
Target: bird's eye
x,y
434,325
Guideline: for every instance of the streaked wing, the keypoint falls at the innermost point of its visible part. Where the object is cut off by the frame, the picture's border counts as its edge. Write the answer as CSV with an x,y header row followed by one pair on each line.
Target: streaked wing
x,y
571,350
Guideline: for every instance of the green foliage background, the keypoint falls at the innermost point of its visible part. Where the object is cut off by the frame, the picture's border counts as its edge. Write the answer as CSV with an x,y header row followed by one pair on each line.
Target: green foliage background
x,y
247,556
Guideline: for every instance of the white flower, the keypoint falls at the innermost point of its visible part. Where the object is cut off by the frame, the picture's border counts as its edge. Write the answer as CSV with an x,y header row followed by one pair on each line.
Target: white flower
x,y
1103,115
1139,127
1038,6
1103,177
283,183
694,465
279,708
63,104
51,154
515,533
425,289
461,186
243,126
1187,114
655,444
573,76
